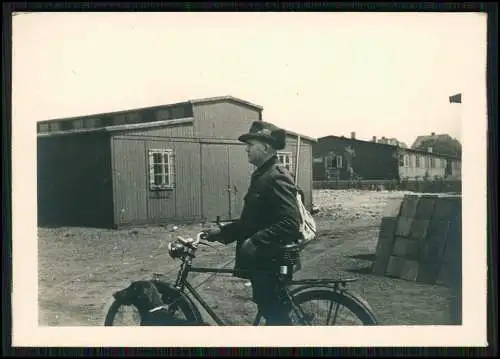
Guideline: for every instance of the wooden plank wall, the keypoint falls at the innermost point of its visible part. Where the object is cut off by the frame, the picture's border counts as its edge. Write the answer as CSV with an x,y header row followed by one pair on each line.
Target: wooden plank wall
x,y
222,120
134,202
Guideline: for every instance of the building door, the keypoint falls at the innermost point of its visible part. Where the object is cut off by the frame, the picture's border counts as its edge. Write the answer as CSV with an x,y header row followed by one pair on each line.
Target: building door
x,y
240,172
215,182
225,179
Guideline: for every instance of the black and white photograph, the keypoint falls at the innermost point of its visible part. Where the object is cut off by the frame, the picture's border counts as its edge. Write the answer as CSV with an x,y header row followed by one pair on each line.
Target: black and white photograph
x,y
257,173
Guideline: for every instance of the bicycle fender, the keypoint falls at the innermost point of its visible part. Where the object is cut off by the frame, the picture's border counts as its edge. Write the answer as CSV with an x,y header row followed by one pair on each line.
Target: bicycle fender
x,y
351,295
174,292
361,301
305,287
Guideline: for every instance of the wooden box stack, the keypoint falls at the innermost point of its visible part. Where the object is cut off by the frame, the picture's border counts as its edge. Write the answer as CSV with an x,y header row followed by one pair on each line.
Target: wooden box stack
x,y
386,235
420,240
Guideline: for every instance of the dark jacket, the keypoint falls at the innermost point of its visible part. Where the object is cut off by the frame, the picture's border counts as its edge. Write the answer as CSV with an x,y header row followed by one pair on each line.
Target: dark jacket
x,y
270,216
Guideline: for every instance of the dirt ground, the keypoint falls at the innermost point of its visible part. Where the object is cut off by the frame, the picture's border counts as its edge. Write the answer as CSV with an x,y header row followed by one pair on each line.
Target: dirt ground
x,y
80,268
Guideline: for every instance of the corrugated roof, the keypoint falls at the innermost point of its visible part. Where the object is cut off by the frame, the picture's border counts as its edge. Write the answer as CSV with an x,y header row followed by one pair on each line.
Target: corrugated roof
x,y
139,126
132,126
156,123
111,113
193,101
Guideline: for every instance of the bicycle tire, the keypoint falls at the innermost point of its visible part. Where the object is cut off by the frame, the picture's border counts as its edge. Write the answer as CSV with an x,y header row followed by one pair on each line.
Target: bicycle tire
x,y
360,311
173,298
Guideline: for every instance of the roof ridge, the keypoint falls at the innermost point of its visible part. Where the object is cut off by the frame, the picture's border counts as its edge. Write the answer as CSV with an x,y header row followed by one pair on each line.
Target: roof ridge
x,y
151,107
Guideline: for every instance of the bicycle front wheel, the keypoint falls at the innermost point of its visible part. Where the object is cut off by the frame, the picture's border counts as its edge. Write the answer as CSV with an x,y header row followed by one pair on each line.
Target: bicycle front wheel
x,y
179,312
325,307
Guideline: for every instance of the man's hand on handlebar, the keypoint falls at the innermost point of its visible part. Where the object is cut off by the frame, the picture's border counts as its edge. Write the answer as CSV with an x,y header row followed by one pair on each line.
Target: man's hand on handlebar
x,y
211,234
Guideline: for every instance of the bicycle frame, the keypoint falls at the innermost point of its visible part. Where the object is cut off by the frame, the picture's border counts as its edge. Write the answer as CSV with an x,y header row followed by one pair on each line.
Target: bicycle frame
x,y
186,252
185,283
332,290
181,282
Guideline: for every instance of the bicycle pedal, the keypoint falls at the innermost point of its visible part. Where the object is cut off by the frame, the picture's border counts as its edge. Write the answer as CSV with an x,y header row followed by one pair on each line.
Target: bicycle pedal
x,y
161,307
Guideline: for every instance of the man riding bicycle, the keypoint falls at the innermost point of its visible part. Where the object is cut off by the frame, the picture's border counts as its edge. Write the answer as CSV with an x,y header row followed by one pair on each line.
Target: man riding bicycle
x,y
269,220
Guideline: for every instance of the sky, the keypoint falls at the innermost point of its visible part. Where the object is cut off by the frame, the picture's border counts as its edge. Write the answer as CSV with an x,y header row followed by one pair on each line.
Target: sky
x,y
316,74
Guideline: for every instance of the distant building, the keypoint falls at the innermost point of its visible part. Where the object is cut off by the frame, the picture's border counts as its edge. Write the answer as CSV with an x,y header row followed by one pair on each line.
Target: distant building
x,y
420,164
442,144
339,158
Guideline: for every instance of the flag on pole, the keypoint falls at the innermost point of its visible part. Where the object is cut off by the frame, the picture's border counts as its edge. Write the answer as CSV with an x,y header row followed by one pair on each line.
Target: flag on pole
x,y
456,98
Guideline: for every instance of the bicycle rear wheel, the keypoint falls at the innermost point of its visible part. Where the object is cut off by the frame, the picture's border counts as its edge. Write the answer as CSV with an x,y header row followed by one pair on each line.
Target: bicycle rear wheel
x,y
325,307
179,312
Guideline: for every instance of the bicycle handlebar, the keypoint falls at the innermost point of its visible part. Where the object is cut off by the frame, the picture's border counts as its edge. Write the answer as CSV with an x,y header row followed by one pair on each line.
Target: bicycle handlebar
x,y
189,242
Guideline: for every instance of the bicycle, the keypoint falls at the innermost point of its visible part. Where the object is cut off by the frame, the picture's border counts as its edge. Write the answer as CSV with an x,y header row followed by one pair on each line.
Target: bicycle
x,y
177,306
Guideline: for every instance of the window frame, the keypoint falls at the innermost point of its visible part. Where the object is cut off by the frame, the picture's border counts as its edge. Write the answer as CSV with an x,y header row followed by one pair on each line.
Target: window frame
x,y
168,175
406,160
339,161
286,154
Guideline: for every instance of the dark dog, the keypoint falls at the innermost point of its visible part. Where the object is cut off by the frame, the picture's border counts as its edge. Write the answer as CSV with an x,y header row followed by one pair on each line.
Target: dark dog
x,y
144,295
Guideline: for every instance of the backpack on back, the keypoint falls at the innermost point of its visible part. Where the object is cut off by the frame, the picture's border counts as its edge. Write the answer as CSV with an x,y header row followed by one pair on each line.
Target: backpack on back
x,y
307,227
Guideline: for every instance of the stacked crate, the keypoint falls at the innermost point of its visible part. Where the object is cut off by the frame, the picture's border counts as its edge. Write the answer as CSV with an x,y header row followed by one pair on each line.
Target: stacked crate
x,y
386,235
420,240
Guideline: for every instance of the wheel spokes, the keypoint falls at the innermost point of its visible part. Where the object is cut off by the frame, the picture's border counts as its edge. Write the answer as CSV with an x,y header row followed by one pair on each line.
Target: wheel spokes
x,y
327,312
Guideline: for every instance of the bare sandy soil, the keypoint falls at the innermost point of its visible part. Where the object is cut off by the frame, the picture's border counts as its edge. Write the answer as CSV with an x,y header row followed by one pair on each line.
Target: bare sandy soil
x,y
80,268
